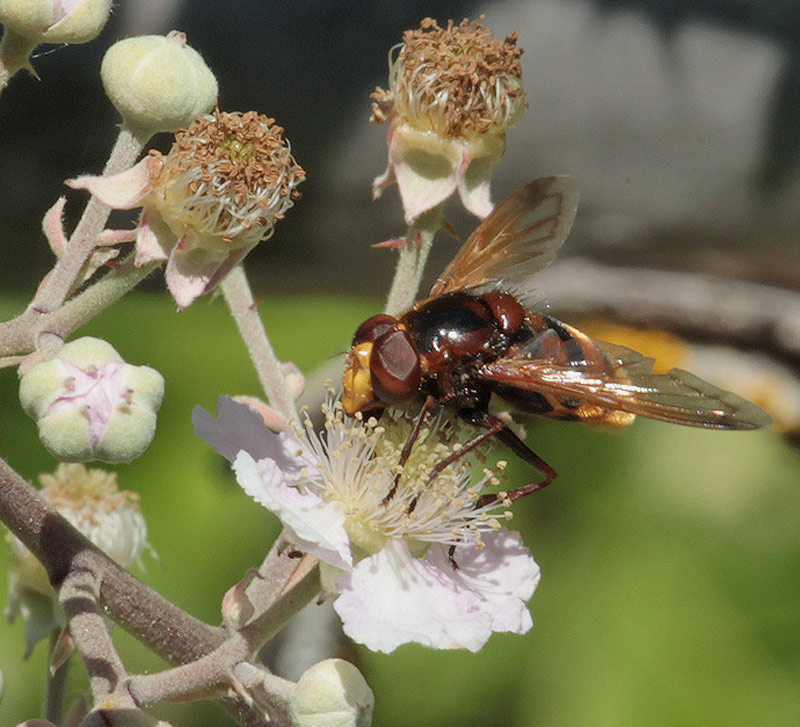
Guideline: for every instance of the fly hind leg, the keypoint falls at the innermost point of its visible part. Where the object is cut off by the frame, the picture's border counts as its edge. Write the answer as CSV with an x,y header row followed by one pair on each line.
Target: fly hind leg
x,y
494,425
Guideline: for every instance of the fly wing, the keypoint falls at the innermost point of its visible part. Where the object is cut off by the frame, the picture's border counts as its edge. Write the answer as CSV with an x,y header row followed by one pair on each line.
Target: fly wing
x,y
520,237
628,384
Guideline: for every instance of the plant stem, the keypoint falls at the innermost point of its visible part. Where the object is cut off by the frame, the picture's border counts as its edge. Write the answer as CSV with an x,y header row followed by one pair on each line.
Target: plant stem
x,y
411,261
56,685
236,290
55,290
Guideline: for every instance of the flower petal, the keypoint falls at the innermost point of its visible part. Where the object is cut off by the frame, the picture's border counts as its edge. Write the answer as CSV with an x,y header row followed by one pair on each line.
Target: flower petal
x,y
392,598
314,525
238,427
121,191
189,273
503,573
153,238
426,168
474,175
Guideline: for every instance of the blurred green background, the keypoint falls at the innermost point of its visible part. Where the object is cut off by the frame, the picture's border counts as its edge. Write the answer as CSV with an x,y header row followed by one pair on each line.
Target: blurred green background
x,y
670,592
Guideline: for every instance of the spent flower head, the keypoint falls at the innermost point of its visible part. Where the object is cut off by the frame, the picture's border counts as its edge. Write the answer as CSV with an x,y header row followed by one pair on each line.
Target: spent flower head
x,y
390,542
453,93
218,192
92,502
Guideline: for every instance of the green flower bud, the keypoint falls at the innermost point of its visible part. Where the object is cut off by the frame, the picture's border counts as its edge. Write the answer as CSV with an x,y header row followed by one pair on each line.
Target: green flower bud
x,y
89,404
157,83
332,693
55,21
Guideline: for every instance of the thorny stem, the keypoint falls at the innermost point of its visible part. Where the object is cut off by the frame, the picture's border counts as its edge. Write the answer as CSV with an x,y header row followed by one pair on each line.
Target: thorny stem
x,y
84,239
411,261
236,290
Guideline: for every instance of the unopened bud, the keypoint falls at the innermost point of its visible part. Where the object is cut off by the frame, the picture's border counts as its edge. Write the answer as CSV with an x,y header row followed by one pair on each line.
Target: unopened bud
x,y
158,83
55,21
91,405
332,693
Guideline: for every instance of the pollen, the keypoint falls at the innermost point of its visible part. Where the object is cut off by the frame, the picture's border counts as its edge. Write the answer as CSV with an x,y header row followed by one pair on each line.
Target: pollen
x,y
458,81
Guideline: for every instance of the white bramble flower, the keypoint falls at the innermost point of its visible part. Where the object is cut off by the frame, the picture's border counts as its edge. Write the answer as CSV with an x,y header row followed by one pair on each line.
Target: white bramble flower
x,y
89,404
157,83
395,555
453,93
91,501
218,192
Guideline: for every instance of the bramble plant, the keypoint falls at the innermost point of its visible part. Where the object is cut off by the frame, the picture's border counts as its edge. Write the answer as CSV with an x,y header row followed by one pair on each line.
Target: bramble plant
x,y
386,562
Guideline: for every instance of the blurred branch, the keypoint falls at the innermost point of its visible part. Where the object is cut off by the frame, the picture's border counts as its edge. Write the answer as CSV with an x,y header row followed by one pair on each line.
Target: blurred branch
x,y
701,307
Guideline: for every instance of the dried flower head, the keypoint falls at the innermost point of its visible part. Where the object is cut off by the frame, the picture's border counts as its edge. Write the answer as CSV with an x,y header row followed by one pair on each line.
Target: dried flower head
x,y
217,193
457,81
453,93
228,177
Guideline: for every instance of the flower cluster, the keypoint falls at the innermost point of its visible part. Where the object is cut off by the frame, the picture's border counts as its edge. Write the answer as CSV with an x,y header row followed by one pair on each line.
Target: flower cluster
x,y
410,559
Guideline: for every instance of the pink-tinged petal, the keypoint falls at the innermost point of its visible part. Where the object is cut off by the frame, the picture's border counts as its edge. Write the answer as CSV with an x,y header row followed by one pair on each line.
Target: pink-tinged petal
x,y
121,191
503,573
153,239
314,525
53,227
392,598
189,273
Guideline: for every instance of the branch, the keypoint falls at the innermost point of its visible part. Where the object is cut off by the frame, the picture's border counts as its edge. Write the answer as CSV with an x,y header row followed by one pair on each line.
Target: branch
x,y
165,628
702,307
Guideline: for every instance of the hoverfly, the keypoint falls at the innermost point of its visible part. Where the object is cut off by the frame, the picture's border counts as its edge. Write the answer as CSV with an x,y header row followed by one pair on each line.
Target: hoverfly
x,y
476,337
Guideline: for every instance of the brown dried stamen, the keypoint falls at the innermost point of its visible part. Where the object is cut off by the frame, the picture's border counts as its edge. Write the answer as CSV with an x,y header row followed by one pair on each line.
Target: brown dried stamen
x,y
459,80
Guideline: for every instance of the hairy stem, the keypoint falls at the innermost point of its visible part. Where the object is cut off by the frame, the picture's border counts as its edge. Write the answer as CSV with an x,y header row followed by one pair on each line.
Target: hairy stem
x,y
411,261
56,685
21,335
84,239
236,290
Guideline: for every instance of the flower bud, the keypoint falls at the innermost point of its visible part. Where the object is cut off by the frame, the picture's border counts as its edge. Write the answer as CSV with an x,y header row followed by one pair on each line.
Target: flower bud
x,y
55,21
89,404
157,83
332,693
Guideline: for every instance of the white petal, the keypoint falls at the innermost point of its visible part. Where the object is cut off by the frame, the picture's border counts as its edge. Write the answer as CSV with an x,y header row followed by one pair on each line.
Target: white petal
x,y
392,598
121,191
503,573
316,526
189,273
426,167
237,427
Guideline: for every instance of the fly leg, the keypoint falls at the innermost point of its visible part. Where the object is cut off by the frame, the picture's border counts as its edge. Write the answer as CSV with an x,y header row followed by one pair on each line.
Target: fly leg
x,y
499,429
409,445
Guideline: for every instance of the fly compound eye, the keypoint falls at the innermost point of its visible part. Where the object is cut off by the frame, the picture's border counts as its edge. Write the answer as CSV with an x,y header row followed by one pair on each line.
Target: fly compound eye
x,y
395,368
373,328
